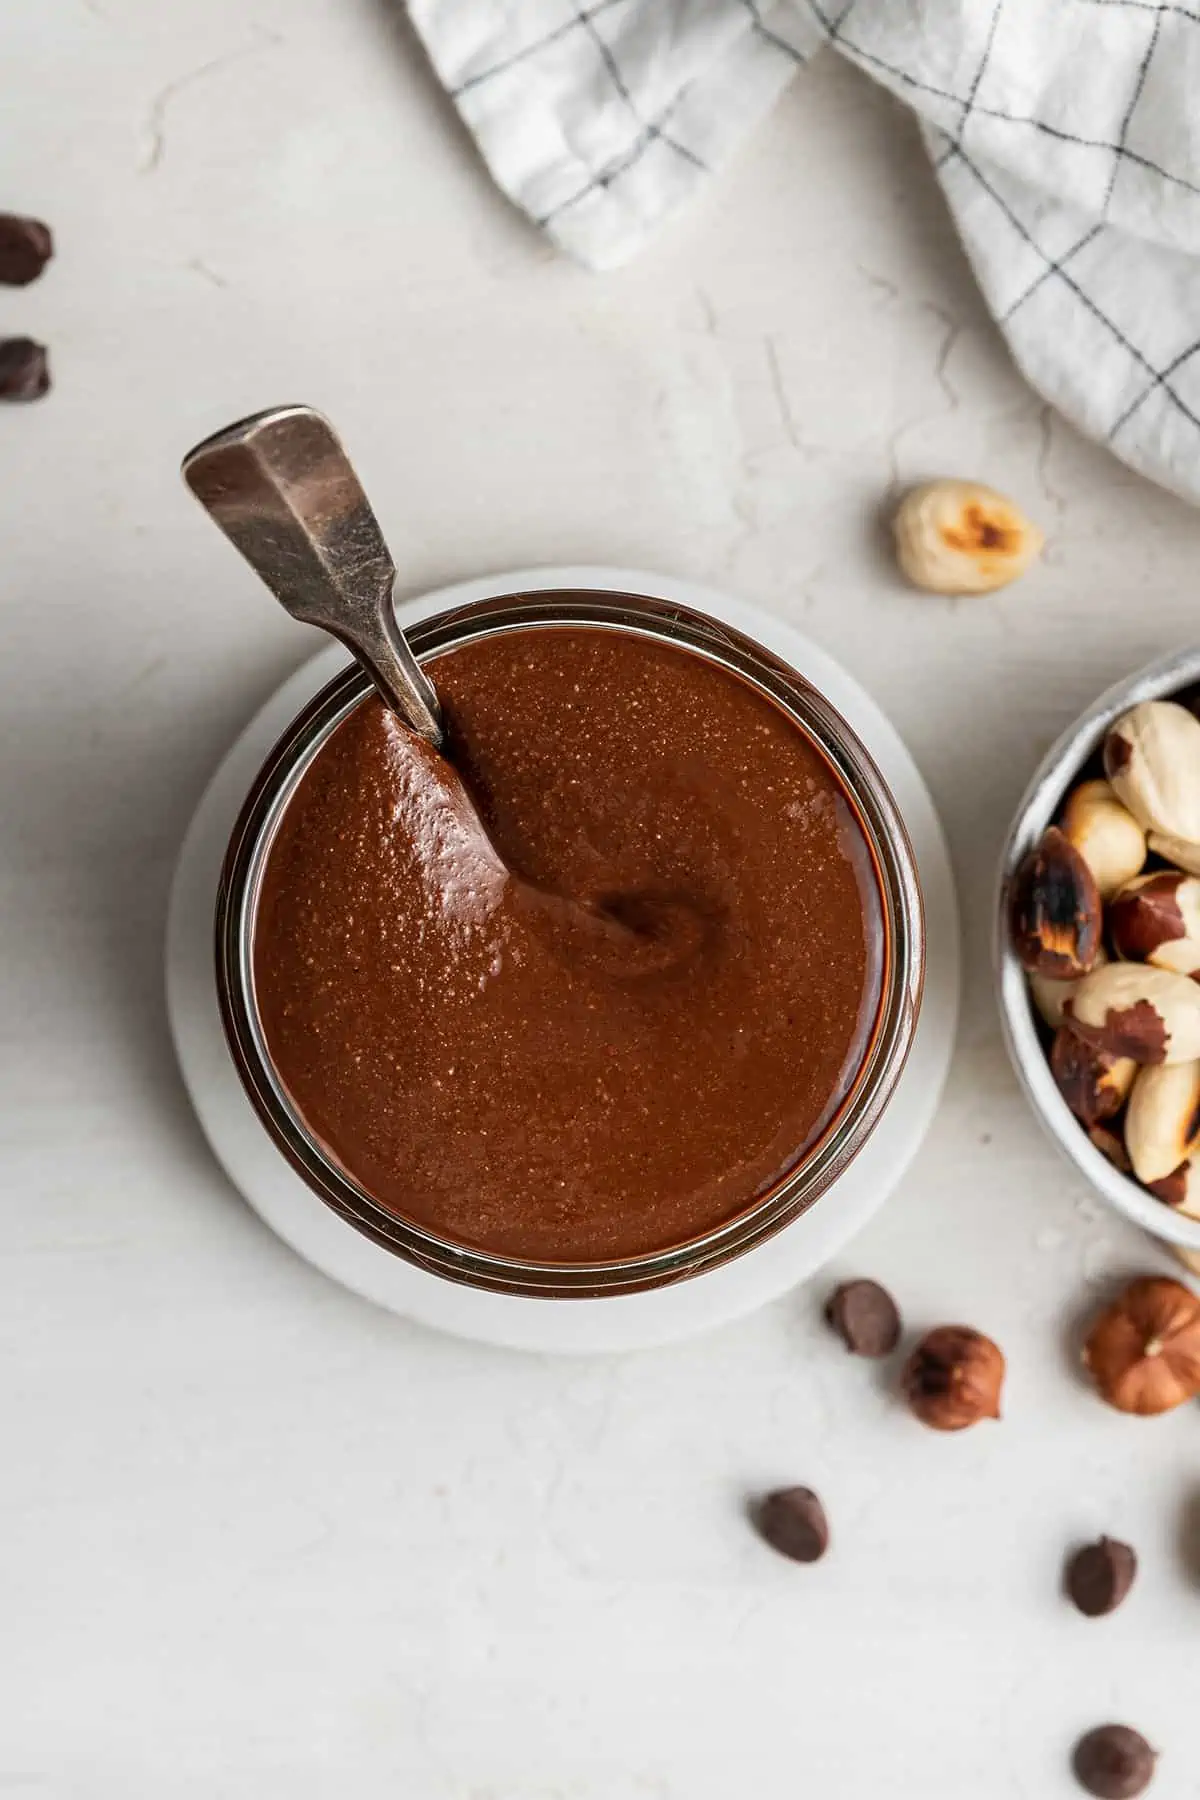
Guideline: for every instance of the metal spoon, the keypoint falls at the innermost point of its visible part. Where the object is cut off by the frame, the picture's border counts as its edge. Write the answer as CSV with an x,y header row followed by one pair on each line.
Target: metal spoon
x,y
282,489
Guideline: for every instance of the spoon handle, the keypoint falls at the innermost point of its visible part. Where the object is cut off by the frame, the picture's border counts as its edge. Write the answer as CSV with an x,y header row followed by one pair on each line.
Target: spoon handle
x,y
282,489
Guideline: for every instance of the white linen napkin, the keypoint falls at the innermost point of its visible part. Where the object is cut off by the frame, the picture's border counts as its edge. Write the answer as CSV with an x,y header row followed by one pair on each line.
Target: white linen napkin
x,y
1065,134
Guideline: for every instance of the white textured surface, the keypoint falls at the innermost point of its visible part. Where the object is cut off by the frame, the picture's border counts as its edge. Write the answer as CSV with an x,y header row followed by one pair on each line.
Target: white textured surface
x,y
255,1537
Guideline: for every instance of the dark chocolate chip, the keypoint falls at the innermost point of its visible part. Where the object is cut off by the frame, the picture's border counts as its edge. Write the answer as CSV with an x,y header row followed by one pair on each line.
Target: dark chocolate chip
x,y
865,1317
24,369
25,248
1114,1762
1100,1575
793,1522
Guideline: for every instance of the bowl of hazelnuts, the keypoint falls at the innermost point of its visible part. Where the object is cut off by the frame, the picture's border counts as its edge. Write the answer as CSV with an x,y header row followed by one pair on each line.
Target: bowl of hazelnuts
x,y
1098,946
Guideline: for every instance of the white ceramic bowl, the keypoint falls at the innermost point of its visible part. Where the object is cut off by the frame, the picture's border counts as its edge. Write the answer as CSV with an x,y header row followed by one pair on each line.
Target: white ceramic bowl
x,y
1057,774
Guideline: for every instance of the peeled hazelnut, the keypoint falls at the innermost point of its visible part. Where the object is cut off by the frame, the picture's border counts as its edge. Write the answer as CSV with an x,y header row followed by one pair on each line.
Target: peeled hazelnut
x,y
955,537
953,1378
1094,1084
1143,1351
1106,835
1176,850
1130,1009
1180,1190
1156,919
1152,758
1055,911
1162,1127
1050,996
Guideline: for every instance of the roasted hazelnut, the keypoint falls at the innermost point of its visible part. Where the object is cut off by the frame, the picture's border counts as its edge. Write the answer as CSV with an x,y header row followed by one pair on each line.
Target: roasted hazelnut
x,y
953,1378
1112,1145
1130,1009
1050,996
1094,1084
1143,1351
955,537
1156,919
1152,758
1176,850
1106,835
1162,1126
1180,1190
1055,911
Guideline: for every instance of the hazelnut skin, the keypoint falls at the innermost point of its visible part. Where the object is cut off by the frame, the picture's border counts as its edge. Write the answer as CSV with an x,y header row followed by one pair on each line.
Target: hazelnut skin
x,y
1131,1009
1143,1351
1055,911
1094,1084
954,1378
1180,1190
1156,919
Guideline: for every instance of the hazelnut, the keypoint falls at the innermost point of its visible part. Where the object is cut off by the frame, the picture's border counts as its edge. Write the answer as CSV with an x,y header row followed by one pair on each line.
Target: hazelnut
x,y
1162,1126
955,537
1050,996
1180,1190
1176,850
1152,758
1112,1145
1094,1084
1106,835
1055,911
1156,919
1143,1351
1132,1010
953,1378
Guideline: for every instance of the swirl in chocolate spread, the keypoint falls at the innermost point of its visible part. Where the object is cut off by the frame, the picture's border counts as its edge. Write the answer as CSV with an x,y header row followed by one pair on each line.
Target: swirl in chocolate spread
x,y
616,1016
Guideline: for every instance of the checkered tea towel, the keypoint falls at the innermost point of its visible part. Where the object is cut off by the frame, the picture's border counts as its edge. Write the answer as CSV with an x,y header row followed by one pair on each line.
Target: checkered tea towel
x,y
1065,133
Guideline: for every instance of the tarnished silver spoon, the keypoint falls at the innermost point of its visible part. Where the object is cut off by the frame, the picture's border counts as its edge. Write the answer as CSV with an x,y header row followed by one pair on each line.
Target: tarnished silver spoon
x,y
282,489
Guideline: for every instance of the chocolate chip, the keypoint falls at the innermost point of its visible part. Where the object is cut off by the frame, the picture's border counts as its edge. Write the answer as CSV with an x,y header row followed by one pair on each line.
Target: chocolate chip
x,y
1100,1575
24,369
25,248
865,1317
1114,1762
793,1522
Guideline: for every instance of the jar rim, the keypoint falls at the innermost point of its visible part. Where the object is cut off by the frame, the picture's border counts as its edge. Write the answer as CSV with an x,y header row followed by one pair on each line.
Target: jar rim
x,y
882,1062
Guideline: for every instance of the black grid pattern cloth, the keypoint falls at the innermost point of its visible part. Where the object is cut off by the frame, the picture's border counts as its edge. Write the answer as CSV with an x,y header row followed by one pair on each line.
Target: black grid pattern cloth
x,y
1065,133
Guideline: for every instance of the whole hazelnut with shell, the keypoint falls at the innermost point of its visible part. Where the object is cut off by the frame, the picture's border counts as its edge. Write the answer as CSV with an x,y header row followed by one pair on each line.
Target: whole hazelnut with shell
x,y
954,1378
1143,1351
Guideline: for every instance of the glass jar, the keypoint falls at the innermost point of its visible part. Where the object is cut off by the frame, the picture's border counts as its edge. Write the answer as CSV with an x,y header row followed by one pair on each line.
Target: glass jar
x,y
902,962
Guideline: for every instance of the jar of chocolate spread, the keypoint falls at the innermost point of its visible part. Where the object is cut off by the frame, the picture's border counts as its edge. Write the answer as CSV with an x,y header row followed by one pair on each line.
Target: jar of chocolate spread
x,y
609,996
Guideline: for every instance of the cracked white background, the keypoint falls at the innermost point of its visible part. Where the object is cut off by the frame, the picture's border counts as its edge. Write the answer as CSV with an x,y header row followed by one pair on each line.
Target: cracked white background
x,y
256,1538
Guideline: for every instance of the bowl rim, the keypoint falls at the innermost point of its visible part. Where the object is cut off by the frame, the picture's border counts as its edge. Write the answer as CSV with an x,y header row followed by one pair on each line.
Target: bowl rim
x,y
1057,772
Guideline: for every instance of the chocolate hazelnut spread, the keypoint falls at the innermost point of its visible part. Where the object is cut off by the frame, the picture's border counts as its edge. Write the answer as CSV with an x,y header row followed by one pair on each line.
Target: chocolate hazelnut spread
x,y
595,986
